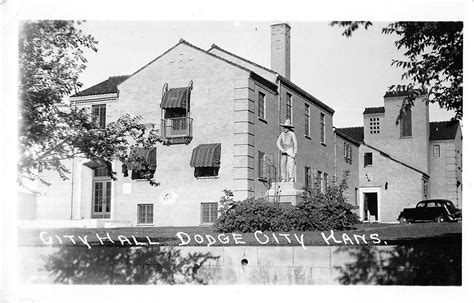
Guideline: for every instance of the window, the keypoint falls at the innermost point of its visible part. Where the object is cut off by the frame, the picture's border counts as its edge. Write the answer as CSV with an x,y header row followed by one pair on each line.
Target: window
x,y
307,122
142,163
323,128
367,159
261,165
374,126
289,106
98,115
206,171
145,214
208,212
206,160
319,180
436,151
307,177
176,122
405,124
325,182
102,171
261,105
101,195
142,174
347,153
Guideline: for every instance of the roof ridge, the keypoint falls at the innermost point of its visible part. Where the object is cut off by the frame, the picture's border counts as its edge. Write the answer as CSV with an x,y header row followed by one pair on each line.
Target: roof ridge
x,y
215,46
387,155
349,127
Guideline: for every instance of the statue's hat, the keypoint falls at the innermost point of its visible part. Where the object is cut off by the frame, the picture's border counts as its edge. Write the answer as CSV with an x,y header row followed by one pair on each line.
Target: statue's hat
x,y
287,124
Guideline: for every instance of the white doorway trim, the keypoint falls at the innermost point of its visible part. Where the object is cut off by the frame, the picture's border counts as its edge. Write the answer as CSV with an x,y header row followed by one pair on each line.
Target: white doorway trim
x,y
362,191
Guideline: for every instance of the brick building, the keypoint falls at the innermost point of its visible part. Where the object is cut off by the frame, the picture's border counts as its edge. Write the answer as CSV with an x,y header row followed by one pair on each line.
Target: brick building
x,y
400,164
221,115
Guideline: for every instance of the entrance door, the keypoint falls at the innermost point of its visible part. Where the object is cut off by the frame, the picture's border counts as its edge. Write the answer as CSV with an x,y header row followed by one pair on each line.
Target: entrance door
x,y
370,206
101,199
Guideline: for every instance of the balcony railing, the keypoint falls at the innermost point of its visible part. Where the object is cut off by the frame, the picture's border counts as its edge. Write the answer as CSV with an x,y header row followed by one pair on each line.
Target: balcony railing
x,y
177,130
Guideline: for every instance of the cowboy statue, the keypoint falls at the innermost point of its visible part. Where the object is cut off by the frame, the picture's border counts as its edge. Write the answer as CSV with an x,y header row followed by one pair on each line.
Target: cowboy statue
x,y
287,145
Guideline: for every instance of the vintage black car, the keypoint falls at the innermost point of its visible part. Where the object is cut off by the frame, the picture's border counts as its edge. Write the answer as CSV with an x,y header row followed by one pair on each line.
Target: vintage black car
x,y
431,210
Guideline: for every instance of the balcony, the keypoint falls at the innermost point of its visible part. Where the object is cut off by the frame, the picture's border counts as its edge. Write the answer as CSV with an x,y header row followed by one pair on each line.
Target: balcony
x,y
177,130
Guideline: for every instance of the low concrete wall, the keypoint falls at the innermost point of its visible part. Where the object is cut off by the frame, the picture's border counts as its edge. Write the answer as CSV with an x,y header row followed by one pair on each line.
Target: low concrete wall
x,y
316,265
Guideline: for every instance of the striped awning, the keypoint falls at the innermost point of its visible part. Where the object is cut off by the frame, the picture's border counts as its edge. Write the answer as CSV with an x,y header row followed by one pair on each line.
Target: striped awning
x,y
143,154
206,155
176,98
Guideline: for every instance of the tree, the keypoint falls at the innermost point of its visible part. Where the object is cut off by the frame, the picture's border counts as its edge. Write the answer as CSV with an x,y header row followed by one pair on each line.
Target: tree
x,y
433,64
51,58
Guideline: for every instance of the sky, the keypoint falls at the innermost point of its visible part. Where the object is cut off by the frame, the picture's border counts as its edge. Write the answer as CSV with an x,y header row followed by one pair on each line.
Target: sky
x,y
348,74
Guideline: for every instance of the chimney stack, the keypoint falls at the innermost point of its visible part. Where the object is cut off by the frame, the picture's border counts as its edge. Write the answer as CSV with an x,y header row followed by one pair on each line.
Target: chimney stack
x,y
281,49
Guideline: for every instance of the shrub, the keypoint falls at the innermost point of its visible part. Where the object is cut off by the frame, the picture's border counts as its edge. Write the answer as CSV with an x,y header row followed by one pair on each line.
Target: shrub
x,y
316,211
245,216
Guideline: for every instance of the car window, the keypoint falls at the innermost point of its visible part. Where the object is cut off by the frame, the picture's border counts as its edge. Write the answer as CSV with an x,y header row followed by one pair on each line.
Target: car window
x,y
421,204
430,204
450,205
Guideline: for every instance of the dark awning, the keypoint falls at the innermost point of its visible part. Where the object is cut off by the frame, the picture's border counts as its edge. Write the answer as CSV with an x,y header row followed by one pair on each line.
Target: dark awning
x,y
176,98
206,155
94,164
148,155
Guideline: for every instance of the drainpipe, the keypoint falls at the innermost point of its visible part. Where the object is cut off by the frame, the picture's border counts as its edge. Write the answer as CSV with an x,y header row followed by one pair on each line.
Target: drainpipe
x,y
72,188
279,122
335,154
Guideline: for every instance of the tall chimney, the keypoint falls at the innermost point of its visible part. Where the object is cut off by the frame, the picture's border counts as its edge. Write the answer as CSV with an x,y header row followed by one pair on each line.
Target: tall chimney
x,y
281,49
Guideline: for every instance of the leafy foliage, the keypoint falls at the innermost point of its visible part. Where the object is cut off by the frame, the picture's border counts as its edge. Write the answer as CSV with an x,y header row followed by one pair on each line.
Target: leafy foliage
x,y
126,265
245,216
318,211
51,58
433,64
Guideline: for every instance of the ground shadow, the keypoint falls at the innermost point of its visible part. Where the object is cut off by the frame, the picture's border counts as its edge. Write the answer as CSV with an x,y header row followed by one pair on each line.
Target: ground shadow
x,y
423,264
125,265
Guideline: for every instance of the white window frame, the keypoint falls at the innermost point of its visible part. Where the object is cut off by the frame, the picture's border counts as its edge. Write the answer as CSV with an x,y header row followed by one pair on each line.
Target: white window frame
x,y
147,214
323,127
439,151
290,107
209,214
264,114
307,115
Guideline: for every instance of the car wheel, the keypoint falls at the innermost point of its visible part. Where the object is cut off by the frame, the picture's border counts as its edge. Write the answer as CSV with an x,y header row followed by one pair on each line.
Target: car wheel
x,y
441,219
403,220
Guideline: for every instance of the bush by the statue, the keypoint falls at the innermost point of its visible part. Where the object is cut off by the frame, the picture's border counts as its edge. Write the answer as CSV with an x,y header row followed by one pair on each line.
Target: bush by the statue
x,y
317,211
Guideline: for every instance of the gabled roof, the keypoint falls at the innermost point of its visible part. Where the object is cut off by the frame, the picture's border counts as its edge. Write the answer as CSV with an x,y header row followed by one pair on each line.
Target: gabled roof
x,y
346,137
443,130
354,132
374,110
255,76
215,46
390,94
110,85
105,87
283,79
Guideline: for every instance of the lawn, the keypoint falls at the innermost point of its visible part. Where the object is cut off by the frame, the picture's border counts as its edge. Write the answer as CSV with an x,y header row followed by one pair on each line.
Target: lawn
x,y
372,234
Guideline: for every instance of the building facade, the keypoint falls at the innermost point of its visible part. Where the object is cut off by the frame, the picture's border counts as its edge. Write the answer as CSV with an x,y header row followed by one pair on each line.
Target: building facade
x,y
403,163
220,115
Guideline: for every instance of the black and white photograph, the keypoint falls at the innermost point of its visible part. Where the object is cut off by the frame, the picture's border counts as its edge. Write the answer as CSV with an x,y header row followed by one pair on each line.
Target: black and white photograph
x,y
235,152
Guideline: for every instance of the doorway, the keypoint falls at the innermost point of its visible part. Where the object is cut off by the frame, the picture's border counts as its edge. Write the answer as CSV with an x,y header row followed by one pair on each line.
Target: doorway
x,y
370,199
371,207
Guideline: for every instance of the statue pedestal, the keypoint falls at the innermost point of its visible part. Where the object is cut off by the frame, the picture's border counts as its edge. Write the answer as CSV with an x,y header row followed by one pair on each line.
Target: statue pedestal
x,y
285,192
